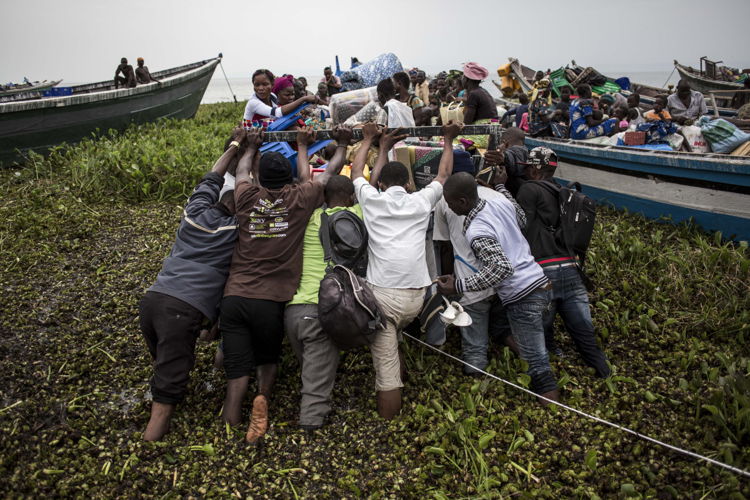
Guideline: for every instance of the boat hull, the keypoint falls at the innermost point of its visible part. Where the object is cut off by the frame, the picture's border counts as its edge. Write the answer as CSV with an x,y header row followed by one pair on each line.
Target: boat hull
x,y
703,84
713,210
678,186
39,125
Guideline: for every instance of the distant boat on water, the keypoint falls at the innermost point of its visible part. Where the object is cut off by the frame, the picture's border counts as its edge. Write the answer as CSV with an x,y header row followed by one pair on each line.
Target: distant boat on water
x,y
23,88
39,123
707,78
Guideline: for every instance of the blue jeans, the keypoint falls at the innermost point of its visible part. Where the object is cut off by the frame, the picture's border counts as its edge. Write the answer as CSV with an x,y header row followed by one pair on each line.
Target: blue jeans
x,y
526,322
570,300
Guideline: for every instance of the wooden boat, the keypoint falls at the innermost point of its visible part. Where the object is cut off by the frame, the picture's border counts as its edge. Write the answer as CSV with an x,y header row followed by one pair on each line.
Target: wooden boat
x,y
648,93
22,88
41,123
705,80
711,189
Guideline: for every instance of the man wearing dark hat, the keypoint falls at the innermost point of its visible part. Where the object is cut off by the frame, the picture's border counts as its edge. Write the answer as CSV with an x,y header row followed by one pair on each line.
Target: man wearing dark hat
x,y
539,201
142,74
272,213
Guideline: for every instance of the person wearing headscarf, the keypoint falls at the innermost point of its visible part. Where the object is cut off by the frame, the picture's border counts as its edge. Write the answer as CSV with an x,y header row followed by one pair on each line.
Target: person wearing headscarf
x,y
283,87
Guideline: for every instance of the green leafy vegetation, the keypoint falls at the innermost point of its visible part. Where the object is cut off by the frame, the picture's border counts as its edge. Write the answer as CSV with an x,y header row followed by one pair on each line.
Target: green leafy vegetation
x,y
84,235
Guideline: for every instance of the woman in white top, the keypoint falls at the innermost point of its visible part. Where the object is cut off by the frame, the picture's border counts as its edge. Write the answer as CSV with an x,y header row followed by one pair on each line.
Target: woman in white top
x,y
263,104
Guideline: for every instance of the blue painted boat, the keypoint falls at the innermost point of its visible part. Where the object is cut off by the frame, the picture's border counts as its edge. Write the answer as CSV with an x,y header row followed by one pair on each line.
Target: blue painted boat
x,y
711,189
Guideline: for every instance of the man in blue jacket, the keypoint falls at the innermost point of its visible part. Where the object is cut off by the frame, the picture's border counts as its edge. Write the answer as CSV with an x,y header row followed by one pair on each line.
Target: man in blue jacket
x,y
188,289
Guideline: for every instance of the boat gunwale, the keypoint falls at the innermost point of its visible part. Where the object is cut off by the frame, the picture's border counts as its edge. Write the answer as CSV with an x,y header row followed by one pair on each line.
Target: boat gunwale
x,y
113,94
719,159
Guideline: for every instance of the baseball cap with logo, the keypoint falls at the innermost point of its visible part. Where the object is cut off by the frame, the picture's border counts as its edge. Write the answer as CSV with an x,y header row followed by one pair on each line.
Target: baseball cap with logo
x,y
541,157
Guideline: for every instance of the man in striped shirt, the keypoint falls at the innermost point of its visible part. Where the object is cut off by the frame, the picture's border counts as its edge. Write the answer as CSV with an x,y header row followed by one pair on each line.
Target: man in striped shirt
x,y
493,231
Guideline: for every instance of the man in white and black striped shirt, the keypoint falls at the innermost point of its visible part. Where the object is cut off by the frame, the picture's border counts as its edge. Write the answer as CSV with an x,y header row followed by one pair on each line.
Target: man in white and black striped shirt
x,y
493,230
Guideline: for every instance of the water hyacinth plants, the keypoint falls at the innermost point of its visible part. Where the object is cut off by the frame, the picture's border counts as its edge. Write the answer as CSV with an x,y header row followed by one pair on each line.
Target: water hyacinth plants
x,y
84,234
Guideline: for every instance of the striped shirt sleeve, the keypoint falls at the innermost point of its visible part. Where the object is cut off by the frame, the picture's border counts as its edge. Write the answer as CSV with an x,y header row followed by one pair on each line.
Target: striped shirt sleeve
x,y
495,266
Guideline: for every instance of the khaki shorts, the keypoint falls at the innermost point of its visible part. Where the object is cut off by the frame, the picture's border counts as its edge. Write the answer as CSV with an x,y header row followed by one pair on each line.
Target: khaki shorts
x,y
399,307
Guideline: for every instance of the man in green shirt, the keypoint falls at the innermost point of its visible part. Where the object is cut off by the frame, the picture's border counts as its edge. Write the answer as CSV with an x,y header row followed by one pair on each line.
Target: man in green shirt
x,y
315,351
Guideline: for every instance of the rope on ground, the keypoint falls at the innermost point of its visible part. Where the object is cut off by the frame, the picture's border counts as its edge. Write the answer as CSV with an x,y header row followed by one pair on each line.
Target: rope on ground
x,y
689,453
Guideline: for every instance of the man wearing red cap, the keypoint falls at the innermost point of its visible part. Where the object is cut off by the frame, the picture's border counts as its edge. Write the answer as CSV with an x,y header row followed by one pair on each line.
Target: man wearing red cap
x,y
479,102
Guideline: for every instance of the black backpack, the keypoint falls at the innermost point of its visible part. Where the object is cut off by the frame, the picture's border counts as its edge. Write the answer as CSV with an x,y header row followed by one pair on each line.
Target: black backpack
x,y
344,238
347,309
577,217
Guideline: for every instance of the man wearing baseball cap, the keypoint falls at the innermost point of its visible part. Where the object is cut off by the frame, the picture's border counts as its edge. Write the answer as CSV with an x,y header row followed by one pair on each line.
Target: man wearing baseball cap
x,y
539,201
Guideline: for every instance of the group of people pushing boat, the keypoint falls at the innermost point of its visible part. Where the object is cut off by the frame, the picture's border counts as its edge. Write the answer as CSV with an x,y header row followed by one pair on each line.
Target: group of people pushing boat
x,y
248,258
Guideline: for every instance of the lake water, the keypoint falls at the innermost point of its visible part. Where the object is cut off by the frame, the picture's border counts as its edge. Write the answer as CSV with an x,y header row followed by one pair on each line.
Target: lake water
x,y
219,91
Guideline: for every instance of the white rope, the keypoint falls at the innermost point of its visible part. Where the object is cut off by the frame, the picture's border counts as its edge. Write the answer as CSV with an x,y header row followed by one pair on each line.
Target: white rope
x,y
689,453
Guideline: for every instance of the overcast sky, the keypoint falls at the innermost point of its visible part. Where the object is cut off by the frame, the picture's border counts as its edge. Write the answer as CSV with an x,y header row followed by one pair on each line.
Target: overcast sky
x,y
83,40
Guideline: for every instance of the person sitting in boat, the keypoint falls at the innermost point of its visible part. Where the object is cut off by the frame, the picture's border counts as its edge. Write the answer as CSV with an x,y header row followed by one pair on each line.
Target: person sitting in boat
x,y
659,112
322,94
479,103
635,115
621,113
283,87
519,110
263,105
332,81
401,83
398,114
658,123
421,88
564,104
142,74
128,75
300,87
686,105
584,123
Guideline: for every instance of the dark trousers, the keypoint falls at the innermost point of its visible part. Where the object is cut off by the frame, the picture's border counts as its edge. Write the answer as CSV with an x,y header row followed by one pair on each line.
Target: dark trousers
x,y
570,300
170,327
252,331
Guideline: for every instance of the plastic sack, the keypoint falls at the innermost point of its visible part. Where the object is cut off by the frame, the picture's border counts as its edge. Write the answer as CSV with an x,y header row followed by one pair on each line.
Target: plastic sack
x,y
724,137
345,104
452,112
694,139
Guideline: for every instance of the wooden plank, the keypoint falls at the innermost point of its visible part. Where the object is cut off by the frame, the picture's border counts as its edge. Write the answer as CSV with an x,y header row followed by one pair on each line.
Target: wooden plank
x,y
325,134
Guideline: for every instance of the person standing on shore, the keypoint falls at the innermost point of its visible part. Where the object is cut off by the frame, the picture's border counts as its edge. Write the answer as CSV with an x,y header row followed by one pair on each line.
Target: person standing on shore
x,y
493,231
272,214
397,273
539,201
187,291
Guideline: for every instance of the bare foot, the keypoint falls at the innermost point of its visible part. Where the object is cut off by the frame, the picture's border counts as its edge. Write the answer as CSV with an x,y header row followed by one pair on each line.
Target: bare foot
x,y
158,424
259,420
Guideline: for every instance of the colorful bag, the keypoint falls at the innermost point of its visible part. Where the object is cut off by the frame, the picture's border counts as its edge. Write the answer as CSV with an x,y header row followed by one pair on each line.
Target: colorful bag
x,y
724,137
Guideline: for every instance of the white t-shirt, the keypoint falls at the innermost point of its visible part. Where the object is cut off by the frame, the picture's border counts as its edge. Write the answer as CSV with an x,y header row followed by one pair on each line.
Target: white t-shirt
x,y
450,227
397,223
399,114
